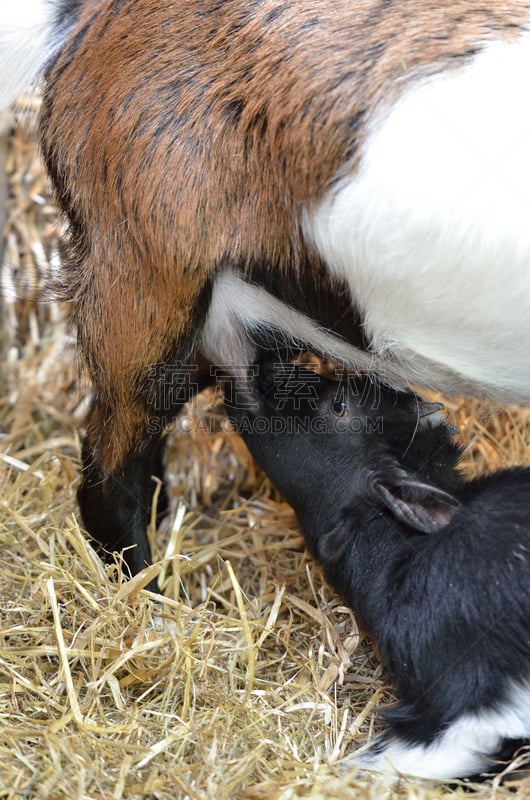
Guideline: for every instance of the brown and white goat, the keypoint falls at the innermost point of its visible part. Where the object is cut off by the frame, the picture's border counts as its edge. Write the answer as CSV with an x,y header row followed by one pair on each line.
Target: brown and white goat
x,y
350,176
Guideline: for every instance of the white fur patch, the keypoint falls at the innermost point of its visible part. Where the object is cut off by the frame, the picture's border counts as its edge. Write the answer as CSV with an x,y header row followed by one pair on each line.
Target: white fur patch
x,y
433,231
238,308
26,43
463,749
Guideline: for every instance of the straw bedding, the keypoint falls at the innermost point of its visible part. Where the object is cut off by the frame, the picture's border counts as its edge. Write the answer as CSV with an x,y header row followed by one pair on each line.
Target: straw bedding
x,y
251,680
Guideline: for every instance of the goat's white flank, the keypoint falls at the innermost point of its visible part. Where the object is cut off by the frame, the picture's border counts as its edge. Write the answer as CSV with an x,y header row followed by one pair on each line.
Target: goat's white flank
x,y
432,232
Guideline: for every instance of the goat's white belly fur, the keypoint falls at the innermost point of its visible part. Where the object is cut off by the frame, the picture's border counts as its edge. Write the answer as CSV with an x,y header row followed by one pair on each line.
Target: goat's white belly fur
x,y
432,232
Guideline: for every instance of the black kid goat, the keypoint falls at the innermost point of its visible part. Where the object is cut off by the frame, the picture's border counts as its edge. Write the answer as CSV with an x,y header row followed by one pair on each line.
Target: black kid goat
x,y
437,569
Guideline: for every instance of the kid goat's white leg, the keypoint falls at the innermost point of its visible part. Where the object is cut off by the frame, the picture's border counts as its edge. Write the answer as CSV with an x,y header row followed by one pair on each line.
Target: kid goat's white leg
x,y
467,746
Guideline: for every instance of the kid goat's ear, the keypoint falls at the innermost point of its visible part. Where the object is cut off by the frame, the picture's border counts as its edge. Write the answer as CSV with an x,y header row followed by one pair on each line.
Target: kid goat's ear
x,y
418,504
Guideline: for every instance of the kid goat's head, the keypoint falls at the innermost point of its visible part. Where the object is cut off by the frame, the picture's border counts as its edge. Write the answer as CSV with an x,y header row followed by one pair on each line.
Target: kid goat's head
x,y
326,443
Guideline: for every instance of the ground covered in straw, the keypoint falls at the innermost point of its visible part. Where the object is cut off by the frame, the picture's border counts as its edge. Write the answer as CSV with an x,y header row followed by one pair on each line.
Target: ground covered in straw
x,y
252,679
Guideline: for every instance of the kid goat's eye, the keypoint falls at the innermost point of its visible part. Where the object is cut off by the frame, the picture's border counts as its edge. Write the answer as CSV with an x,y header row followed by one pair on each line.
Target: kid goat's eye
x,y
338,407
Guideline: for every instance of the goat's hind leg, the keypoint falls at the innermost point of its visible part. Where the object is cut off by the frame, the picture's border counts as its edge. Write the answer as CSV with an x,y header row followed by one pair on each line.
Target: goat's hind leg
x,y
114,502
117,487
140,350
